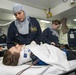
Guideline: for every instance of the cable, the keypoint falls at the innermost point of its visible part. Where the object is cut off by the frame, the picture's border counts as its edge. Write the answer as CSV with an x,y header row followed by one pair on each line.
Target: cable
x,y
34,63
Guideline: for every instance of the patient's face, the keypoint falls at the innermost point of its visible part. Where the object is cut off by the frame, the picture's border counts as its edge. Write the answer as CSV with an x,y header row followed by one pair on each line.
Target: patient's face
x,y
16,48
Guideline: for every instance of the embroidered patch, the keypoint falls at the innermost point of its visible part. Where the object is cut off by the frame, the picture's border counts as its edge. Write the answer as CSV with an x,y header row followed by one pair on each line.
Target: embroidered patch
x,y
3,37
33,29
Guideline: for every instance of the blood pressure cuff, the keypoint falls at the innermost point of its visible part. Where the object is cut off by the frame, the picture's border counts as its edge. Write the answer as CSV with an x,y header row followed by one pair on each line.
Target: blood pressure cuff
x,y
39,62
33,57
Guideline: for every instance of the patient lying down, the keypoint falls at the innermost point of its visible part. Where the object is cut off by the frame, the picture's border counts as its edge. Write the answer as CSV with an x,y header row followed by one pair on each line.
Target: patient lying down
x,y
45,54
20,54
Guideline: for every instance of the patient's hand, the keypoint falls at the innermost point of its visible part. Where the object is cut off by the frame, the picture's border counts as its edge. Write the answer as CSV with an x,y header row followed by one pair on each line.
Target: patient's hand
x,y
52,43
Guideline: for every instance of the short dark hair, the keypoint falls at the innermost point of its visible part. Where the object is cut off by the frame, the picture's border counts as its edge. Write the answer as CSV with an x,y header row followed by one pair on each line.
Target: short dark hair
x,y
56,22
10,59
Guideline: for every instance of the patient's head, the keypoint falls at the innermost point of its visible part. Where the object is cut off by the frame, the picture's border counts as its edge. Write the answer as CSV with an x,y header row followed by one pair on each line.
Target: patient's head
x,y
11,56
11,59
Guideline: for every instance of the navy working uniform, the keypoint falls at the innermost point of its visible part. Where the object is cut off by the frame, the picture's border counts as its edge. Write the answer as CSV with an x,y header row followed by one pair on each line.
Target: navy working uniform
x,y
49,36
14,36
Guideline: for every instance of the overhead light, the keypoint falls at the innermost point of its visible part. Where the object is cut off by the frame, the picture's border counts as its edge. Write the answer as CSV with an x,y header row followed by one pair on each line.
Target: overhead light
x,y
13,17
44,21
71,1
64,1
74,19
48,12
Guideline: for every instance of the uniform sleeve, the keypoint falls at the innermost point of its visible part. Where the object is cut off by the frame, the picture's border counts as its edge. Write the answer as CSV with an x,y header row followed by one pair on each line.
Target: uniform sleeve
x,y
44,36
10,37
39,32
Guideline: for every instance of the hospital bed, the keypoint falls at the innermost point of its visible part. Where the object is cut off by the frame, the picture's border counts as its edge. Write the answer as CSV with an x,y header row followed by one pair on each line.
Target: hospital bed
x,y
36,70
69,72
48,53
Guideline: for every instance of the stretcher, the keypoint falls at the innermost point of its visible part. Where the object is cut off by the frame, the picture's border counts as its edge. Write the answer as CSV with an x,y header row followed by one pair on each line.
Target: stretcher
x,y
58,64
36,70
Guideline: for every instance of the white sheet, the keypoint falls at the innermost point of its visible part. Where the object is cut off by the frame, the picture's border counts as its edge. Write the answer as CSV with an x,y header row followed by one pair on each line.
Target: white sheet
x,y
34,70
47,53
51,55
